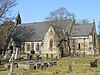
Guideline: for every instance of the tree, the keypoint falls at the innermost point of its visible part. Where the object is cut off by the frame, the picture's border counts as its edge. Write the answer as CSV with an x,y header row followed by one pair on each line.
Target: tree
x,y
84,21
32,52
59,19
99,28
5,7
98,43
5,30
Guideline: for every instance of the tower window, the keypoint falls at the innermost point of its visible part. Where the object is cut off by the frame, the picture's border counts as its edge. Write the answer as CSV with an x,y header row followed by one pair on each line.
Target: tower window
x,y
51,43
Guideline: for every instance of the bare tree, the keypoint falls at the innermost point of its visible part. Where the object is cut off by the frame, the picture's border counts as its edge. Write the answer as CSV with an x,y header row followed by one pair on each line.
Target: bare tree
x,y
59,19
84,21
5,8
99,28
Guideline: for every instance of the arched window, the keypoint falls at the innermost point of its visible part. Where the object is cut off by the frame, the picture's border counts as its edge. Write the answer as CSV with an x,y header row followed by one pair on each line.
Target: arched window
x,y
28,46
79,46
51,43
37,48
11,48
32,46
94,40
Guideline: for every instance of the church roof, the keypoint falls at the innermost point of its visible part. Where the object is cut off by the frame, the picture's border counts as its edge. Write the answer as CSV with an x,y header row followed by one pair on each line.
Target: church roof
x,y
35,32
29,32
82,29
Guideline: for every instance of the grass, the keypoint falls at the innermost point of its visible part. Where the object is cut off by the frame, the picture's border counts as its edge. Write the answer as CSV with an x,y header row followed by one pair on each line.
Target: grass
x,y
82,67
2,68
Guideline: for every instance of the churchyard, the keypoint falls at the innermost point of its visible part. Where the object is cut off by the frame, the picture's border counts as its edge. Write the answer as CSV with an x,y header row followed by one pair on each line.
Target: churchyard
x,y
63,66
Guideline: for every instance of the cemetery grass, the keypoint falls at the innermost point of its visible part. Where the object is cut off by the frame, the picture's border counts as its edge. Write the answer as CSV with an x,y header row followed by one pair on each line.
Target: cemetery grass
x,y
81,67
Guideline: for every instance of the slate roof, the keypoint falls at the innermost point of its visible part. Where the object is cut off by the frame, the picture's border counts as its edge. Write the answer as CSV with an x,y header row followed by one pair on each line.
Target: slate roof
x,y
82,29
35,32
29,32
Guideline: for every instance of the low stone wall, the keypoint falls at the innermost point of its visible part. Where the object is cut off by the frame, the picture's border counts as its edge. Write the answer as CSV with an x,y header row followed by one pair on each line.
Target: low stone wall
x,y
25,65
36,65
7,65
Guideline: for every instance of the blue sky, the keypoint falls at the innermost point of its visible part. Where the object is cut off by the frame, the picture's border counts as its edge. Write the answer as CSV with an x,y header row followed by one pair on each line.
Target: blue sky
x,y
38,10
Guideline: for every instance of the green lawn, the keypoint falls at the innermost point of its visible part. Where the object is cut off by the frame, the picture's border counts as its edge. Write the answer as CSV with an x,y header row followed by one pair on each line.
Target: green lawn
x,y
81,67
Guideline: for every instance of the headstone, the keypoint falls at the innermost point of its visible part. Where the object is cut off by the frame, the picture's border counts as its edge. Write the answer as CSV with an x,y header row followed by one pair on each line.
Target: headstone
x,y
74,61
31,57
55,63
38,66
25,73
37,58
7,57
40,59
35,67
93,63
28,56
15,65
50,64
7,65
56,57
51,56
42,66
45,65
12,74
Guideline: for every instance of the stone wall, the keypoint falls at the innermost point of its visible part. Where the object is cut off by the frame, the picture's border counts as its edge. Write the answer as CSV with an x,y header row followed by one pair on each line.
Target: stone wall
x,y
32,48
85,43
48,51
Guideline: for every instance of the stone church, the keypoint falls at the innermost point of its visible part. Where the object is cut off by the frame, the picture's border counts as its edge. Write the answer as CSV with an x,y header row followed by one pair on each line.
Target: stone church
x,y
43,39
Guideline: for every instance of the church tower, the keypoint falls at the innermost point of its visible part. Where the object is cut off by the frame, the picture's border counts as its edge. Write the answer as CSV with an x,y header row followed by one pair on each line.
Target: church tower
x,y
18,19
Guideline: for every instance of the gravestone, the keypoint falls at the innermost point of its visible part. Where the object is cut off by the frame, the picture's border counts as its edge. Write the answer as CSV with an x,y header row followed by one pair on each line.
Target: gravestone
x,y
38,66
52,56
93,63
74,61
12,74
25,73
56,57
55,63
45,65
31,56
50,64
37,59
28,56
7,57
35,67
42,66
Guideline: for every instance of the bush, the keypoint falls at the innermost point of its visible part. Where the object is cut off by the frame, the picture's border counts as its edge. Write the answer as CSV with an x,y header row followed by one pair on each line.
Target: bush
x,y
1,51
32,52
2,68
